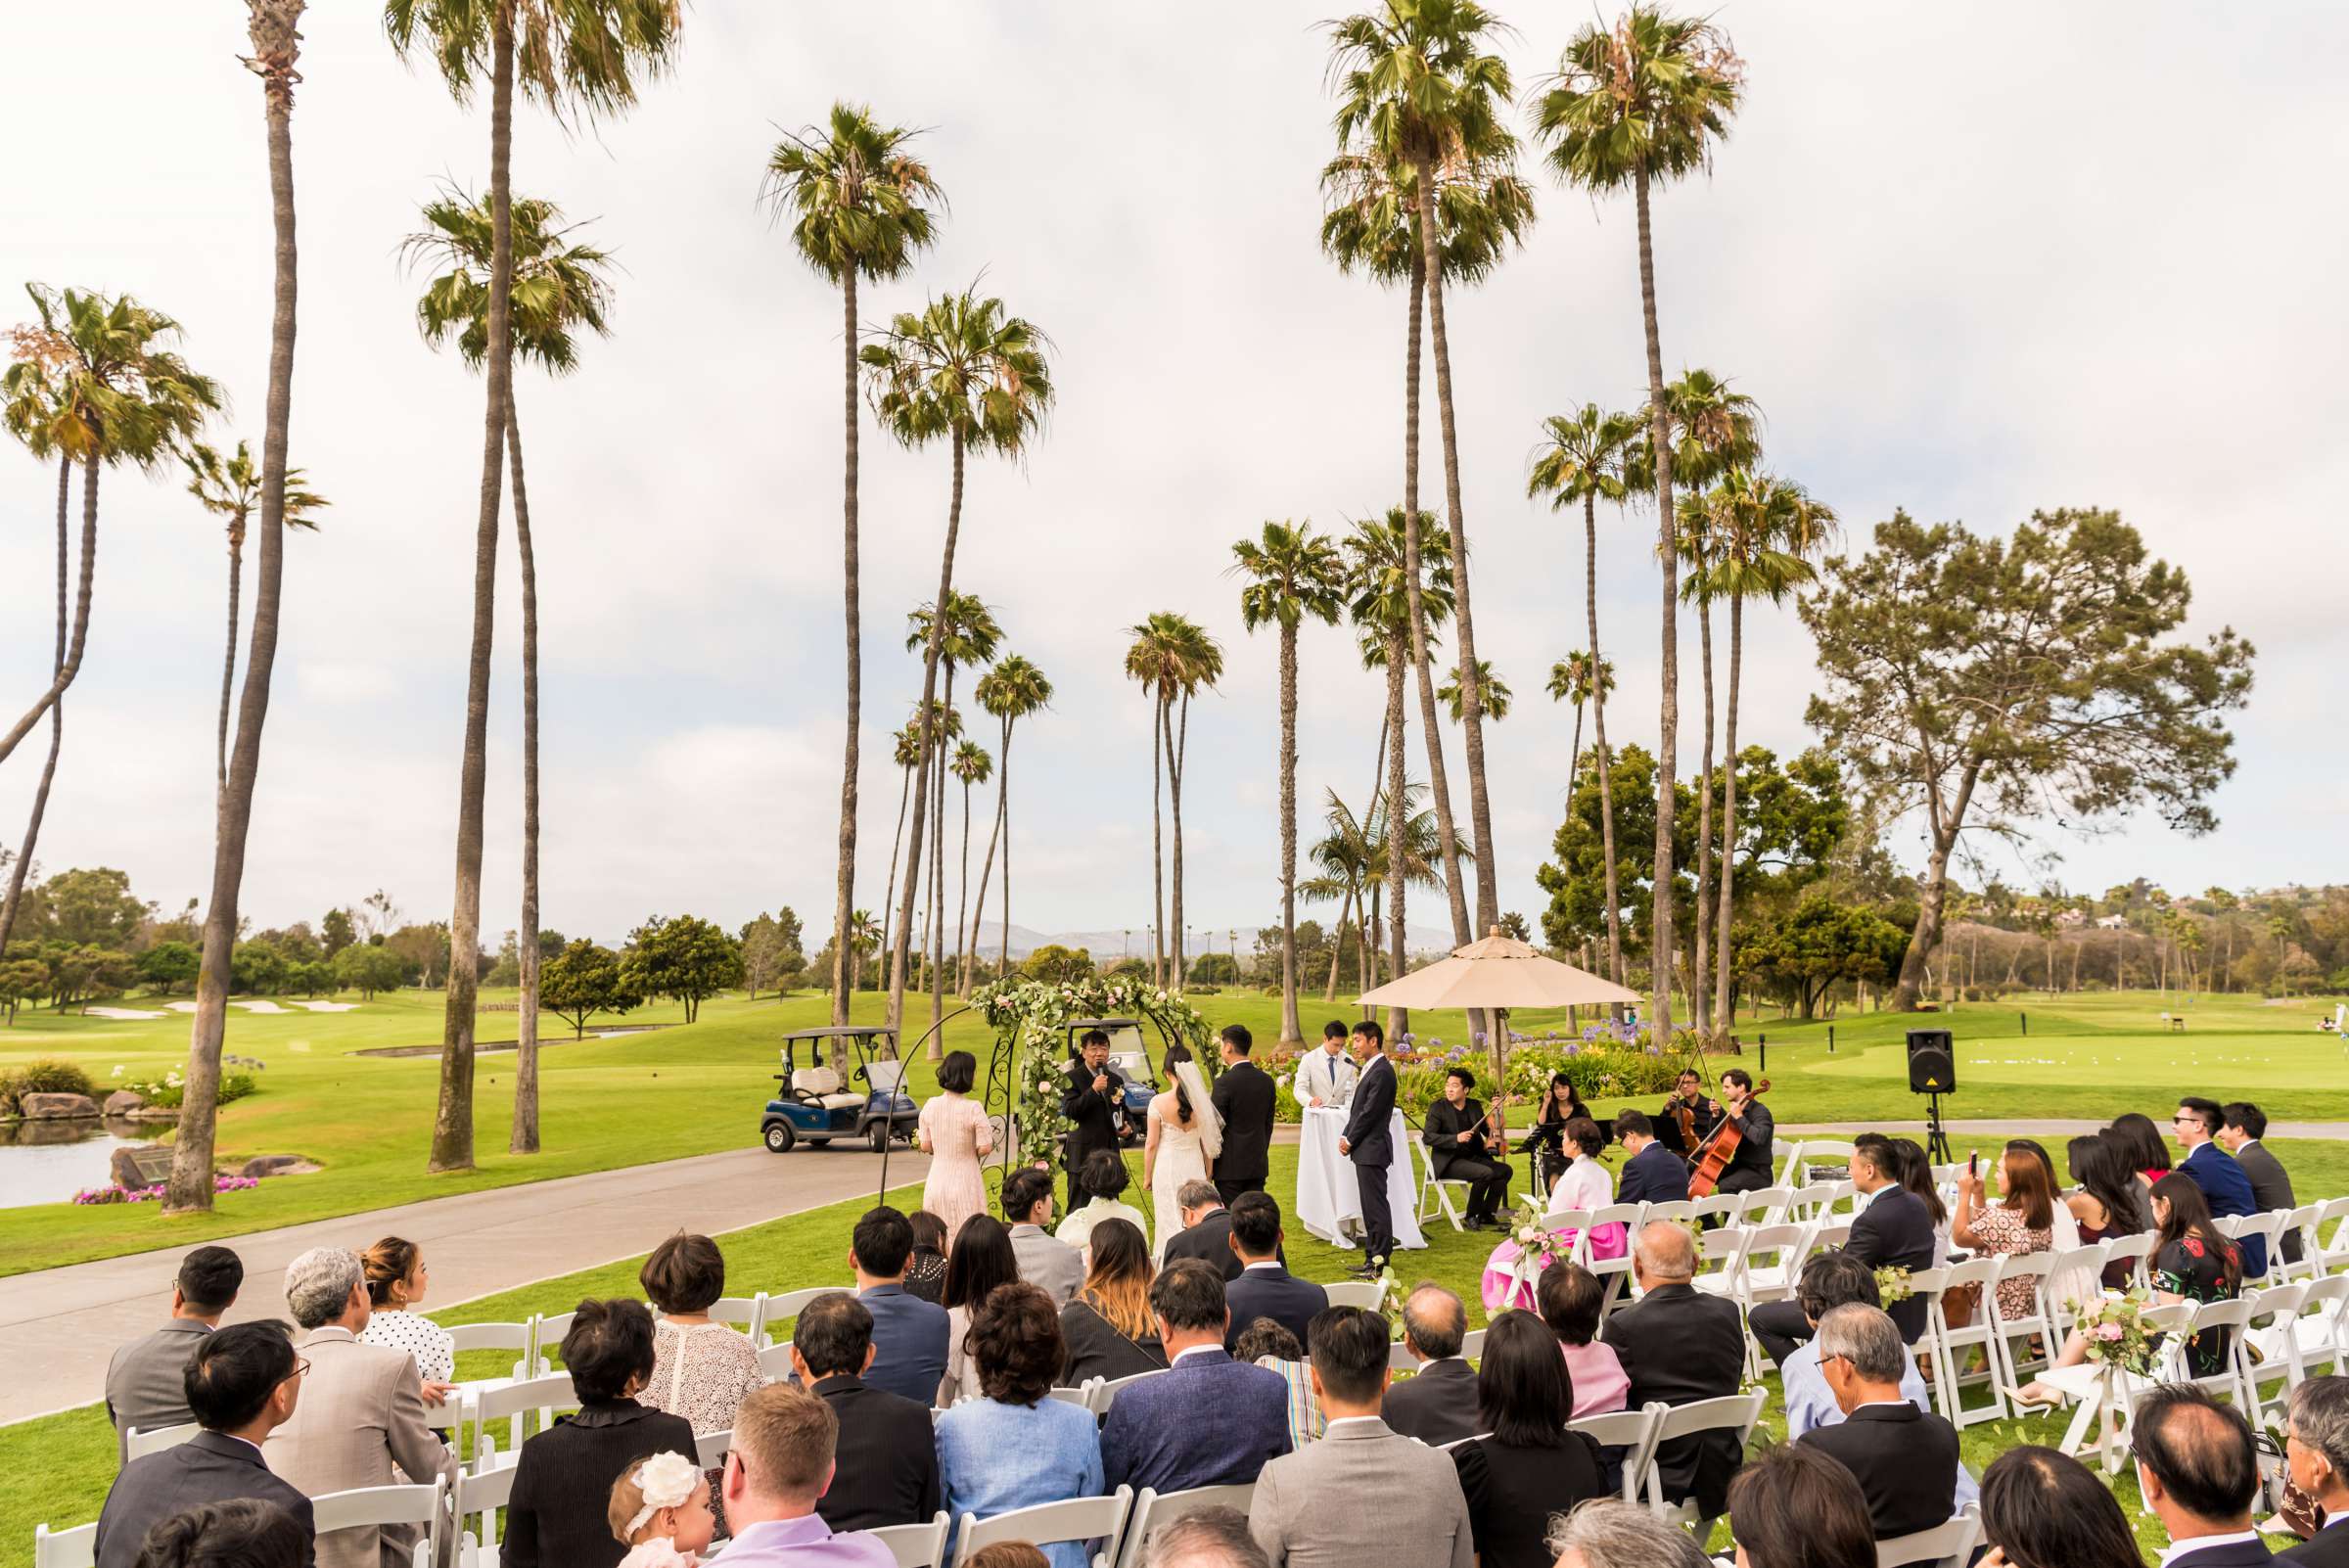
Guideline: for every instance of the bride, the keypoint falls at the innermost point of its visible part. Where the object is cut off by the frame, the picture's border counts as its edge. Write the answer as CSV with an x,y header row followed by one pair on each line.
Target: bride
x,y
1186,1136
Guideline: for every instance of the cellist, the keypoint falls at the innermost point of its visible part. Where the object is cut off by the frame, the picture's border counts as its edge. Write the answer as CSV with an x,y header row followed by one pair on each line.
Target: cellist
x,y
1750,1169
1685,1119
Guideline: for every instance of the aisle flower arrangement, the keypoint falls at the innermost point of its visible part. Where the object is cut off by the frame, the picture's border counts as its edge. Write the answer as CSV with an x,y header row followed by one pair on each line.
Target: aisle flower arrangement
x,y
2114,1328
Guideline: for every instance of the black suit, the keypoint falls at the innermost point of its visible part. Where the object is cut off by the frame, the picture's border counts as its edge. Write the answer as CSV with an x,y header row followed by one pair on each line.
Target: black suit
x,y
1704,1113
1273,1293
1370,1145
1677,1345
1093,1124
1655,1175
1437,1405
1905,1460
1459,1151
1896,1228
887,1458
2271,1189
209,1467
2239,1554
2326,1548
1750,1169
1245,1097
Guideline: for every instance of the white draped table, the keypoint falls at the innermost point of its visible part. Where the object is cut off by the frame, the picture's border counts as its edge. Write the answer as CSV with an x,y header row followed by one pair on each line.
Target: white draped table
x,y
1329,1193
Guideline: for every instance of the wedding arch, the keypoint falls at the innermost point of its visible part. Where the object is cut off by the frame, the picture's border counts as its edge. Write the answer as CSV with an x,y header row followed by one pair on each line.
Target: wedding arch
x,y
1031,1019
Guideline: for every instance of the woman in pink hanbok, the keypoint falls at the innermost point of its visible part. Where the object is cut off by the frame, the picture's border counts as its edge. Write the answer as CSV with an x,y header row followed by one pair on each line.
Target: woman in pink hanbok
x,y
1511,1279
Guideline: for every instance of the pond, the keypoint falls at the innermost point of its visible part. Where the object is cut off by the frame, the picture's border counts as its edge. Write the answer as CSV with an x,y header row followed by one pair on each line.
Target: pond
x,y
48,1162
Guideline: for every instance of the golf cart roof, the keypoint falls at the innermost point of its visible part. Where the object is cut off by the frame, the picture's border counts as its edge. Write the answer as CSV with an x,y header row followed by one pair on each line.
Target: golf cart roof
x,y
1105,1023
840,1032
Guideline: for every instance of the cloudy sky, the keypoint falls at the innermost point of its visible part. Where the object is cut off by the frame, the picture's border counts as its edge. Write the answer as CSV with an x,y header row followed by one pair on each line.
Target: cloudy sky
x,y
1971,262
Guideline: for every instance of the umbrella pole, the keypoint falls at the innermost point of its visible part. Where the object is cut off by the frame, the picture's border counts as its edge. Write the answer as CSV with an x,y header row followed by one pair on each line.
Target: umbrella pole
x,y
1501,1073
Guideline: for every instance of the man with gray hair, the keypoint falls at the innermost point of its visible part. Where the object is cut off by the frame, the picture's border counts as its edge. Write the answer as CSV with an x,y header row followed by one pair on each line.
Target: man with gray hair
x,y
360,1421
1678,1345
1437,1404
1609,1533
1211,1538
2317,1450
1206,1232
1905,1459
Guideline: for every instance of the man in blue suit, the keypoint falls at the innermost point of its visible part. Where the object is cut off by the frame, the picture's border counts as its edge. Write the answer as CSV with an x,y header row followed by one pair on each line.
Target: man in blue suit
x,y
1370,1142
1206,1420
2212,1169
1266,1288
909,1334
1653,1174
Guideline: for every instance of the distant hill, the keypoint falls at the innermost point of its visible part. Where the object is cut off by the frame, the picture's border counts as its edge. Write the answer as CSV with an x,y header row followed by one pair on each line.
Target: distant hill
x,y
1107,946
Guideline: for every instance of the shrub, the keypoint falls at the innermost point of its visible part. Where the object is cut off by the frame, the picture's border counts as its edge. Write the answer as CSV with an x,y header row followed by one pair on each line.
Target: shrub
x,y
41,1076
170,1092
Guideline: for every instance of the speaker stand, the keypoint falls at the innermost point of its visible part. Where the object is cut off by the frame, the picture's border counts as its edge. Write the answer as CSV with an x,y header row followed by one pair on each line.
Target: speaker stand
x,y
1937,1142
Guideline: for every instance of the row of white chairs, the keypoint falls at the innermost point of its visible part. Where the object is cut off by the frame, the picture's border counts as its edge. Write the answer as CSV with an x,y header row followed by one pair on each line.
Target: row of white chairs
x,y
430,1508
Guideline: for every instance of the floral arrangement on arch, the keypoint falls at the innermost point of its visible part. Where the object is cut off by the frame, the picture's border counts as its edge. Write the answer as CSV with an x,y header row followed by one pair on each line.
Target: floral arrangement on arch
x,y
1036,1013
2114,1328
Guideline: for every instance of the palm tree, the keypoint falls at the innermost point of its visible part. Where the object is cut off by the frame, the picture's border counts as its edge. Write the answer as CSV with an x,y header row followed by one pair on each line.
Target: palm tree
x,y
1354,856
970,636
577,58
559,286
966,370
1292,573
1640,106
864,935
857,199
1497,693
1184,657
270,25
1578,678
231,488
1011,691
971,766
906,753
1583,460
1417,87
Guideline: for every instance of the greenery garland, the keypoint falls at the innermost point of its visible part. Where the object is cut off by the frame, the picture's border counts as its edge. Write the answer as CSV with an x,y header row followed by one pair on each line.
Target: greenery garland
x,y
1034,1015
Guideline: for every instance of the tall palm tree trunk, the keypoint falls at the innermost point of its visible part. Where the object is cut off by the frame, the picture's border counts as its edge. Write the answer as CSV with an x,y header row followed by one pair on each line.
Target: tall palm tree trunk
x,y
843,885
896,842
936,931
1337,943
1728,820
276,48
452,1118
1668,720
971,960
523,1139
22,867
1399,1020
1177,750
70,666
930,652
962,916
1003,805
1574,758
1292,1032
1158,877
229,663
1472,702
1598,739
1431,729
1697,1008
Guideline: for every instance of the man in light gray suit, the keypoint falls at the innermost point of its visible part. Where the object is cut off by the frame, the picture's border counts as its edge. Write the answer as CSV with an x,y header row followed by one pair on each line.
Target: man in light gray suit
x,y
1365,1493
1044,1258
360,1422
146,1384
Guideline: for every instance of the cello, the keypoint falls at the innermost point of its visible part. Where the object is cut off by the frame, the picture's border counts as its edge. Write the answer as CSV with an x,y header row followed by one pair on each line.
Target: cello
x,y
1718,1149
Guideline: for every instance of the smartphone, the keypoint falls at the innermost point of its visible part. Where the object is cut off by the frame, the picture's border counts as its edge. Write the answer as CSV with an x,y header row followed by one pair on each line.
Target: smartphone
x,y
1974,1163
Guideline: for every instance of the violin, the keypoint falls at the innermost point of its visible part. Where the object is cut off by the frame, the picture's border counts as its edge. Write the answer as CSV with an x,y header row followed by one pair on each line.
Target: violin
x,y
1719,1148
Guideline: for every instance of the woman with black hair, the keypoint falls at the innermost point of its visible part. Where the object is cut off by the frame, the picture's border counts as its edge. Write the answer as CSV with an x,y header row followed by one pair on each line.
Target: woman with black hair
x,y
1108,1328
1528,1465
2045,1510
2140,1144
2107,1201
981,1260
245,1533
957,1134
1545,1139
926,1269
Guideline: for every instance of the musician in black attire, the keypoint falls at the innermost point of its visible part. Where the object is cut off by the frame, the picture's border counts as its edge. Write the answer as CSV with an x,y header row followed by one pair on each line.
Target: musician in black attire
x,y
1750,1169
1094,1092
1460,1147
1703,1113
1545,1141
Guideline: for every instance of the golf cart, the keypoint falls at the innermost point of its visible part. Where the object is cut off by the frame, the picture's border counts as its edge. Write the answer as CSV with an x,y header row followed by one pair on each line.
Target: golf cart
x,y
1131,1057
816,1104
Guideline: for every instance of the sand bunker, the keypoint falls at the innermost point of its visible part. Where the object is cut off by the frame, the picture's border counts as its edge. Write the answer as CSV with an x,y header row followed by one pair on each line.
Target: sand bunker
x,y
126,1014
329,1007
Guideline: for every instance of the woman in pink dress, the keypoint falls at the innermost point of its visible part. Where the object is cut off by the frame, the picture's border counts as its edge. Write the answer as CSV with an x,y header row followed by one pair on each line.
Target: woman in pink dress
x,y
957,1134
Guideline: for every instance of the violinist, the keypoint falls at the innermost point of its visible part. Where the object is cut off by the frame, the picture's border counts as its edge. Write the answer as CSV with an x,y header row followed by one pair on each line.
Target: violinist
x,y
1463,1145
1545,1139
1685,1118
1750,1168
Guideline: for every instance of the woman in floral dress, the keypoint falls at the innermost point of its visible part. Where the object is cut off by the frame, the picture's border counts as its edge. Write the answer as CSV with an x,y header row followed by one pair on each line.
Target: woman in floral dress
x,y
957,1134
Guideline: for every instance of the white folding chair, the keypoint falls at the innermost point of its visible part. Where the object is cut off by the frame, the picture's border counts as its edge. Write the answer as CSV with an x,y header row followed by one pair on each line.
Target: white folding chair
x,y
1105,1392
2300,1228
76,1547
2136,1248
2334,1255
1152,1508
372,1507
1766,1206
1721,1208
1730,1412
482,1492
1724,1248
1811,1202
547,1331
1436,1188
2318,1332
1363,1292
746,1312
2038,1268
710,1448
1631,1431
515,1337
789,1305
1950,1543
137,1444
1949,1342
916,1546
512,1404
1926,1284
1830,1153
2233,1380
1081,1396
2271,1345
1828,1235
1048,1523
1472,1345
2075,1276
1612,1271
2269,1227
774,1363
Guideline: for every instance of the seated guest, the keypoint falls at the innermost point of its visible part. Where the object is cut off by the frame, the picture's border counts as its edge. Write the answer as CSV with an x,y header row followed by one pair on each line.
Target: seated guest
x,y
2242,1127
361,1420
146,1383
240,1384
981,1261
1437,1405
2200,1474
1915,1174
1653,1174
1570,1297
563,1477
1678,1345
2107,1201
1205,1537
1014,1445
1044,1258
1265,1343
1206,1232
1104,1176
1266,1288
1829,1280
2315,1451
395,1285
1893,1229
2020,1222
1210,1420
926,1269
1461,1148
909,1334
1904,1457
1365,1493
1508,1281
664,1510
1528,1465
2223,1182
701,1369
1795,1507
1609,1533
1108,1328
2045,1510
781,1462
888,1458
2141,1145
244,1533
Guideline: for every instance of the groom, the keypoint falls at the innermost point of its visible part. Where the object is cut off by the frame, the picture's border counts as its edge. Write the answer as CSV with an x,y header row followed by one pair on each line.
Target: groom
x,y
1370,1145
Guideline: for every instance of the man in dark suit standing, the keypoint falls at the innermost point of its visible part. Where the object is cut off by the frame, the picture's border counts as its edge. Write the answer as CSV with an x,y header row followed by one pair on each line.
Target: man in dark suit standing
x,y
2224,1182
243,1383
1266,1288
2315,1449
2242,1126
1206,1420
1678,1345
1653,1174
1089,1099
1244,1097
146,1383
1905,1459
887,1455
1370,1142
2199,1475
1893,1229
1437,1405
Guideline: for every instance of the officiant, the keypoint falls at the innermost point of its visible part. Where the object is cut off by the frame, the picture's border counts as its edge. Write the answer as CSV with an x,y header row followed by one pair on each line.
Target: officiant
x,y
1093,1090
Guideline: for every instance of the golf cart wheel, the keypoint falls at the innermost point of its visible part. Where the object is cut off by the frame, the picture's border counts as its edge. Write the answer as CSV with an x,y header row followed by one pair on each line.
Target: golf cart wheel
x,y
778,1137
876,1137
